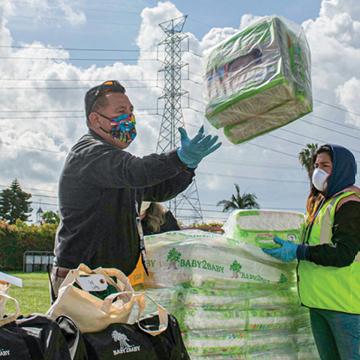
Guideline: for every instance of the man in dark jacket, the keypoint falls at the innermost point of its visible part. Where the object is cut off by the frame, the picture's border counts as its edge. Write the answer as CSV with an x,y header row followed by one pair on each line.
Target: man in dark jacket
x,y
102,185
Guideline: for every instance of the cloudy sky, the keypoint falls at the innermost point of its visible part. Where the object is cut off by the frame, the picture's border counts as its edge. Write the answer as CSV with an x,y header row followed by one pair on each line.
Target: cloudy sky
x,y
52,51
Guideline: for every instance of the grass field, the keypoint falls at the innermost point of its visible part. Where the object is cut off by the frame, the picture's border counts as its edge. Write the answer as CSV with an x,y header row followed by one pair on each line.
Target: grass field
x,y
34,296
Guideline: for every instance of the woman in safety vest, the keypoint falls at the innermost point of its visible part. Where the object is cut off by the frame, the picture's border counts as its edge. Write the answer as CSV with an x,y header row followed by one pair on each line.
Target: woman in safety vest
x,y
329,256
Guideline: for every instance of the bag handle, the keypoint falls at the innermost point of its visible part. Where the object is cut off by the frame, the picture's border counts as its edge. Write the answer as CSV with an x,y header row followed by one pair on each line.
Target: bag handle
x,y
74,274
131,299
163,319
124,281
13,316
139,298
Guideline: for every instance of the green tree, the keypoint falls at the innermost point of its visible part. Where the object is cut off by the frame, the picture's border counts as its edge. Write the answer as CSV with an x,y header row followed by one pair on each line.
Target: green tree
x,y
15,203
238,201
50,217
306,158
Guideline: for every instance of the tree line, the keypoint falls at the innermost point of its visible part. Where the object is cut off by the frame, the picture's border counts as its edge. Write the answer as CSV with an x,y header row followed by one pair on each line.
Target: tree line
x,y
15,204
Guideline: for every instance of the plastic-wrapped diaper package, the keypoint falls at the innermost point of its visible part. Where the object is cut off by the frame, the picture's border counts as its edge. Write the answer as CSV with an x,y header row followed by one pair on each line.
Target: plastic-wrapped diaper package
x,y
258,79
259,227
232,300
208,261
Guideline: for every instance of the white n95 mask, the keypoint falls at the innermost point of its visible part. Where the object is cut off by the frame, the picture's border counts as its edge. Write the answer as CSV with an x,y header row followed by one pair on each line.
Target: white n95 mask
x,y
319,178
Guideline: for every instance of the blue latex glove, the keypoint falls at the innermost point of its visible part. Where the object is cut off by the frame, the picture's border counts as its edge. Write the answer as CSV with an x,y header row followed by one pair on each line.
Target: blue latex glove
x,y
192,151
287,251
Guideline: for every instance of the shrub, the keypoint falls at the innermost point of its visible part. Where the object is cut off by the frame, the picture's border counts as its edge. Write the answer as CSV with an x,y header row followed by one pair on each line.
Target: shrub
x,y
20,237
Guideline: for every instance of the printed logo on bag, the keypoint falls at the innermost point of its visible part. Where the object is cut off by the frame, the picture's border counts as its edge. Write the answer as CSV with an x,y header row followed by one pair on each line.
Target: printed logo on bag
x,y
4,353
123,340
174,259
235,267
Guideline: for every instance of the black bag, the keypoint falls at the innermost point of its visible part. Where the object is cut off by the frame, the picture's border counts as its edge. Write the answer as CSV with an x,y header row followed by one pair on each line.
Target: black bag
x,y
73,338
125,341
37,337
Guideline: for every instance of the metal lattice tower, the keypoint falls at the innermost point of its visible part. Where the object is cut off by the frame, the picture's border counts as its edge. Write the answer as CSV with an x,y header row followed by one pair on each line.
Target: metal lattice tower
x,y
187,203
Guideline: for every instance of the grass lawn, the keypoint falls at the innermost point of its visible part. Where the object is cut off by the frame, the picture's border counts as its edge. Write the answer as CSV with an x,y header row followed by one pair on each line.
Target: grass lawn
x,y
33,296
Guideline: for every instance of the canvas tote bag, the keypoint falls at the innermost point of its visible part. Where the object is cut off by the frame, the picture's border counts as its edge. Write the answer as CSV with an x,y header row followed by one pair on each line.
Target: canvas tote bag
x,y
89,312
4,297
155,337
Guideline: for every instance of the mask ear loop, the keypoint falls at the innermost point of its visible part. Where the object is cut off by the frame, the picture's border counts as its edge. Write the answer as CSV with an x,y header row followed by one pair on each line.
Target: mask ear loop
x,y
101,128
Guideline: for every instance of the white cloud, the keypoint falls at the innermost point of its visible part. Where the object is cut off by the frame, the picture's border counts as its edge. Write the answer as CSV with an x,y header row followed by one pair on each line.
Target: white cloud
x,y
335,44
74,17
248,19
215,36
60,10
335,49
348,95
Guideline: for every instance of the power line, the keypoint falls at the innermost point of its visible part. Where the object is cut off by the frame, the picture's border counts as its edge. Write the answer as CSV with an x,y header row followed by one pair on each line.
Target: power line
x,y
297,134
287,140
41,111
120,24
183,217
41,117
254,178
337,107
296,143
65,117
254,165
77,80
326,128
267,207
312,138
274,150
195,82
43,203
198,111
30,189
67,88
123,11
87,8
31,147
88,49
196,100
335,122
72,59
60,111
75,49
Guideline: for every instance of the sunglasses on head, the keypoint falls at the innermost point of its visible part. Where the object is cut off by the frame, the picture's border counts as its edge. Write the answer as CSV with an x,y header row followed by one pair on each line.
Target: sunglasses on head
x,y
107,86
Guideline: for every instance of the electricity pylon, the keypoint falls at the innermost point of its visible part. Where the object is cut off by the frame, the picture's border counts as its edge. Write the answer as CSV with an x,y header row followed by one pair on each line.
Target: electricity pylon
x,y
188,202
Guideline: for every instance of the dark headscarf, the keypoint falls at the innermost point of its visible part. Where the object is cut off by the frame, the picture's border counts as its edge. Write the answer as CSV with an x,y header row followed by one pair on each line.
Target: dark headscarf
x,y
343,171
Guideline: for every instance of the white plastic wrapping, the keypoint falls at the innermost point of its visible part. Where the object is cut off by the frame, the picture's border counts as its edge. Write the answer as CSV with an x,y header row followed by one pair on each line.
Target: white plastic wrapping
x,y
259,227
232,301
258,79
204,260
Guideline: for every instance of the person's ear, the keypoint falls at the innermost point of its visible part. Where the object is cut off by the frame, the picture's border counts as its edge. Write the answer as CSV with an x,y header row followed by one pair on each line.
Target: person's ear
x,y
94,120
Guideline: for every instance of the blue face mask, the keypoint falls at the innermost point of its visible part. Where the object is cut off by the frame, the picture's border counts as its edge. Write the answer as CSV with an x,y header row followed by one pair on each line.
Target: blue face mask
x,y
123,127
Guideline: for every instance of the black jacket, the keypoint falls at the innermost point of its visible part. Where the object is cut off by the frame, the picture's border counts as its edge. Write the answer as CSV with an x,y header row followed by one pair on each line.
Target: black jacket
x,y
99,188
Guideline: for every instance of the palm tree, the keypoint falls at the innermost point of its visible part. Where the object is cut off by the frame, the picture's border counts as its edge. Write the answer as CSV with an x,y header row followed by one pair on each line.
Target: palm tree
x,y
306,158
238,201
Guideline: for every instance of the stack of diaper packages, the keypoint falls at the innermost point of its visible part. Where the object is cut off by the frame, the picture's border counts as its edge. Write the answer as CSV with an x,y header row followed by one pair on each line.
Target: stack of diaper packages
x,y
232,300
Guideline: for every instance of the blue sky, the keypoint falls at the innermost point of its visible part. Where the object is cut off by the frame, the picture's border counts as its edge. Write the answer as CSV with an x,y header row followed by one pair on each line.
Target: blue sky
x,y
34,150
115,24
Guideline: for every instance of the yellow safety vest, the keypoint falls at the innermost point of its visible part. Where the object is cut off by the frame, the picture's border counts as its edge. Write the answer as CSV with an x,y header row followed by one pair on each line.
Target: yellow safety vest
x,y
329,287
